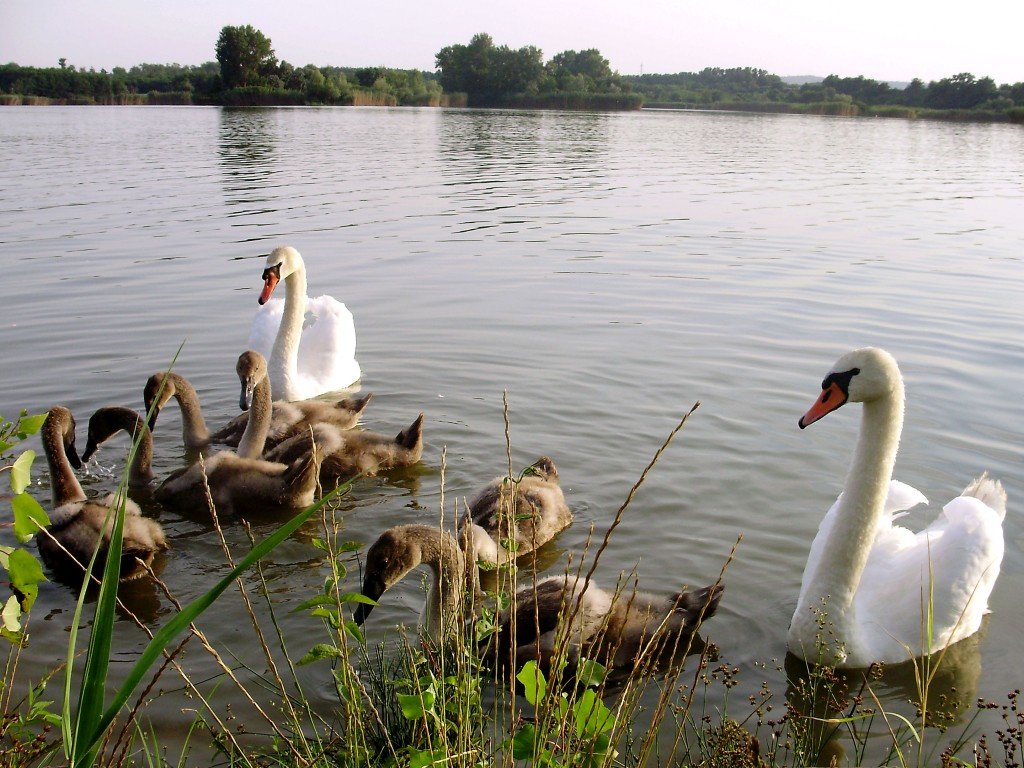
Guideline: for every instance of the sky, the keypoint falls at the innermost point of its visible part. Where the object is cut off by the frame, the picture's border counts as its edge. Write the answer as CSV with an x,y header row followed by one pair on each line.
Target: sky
x,y
891,40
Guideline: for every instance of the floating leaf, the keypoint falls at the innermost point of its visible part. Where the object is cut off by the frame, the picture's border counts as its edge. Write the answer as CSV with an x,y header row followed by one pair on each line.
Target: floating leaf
x,y
29,517
21,471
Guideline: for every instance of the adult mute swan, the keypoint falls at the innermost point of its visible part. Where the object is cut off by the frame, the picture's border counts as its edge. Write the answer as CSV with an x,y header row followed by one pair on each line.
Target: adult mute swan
x,y
865,592
310,344
618,628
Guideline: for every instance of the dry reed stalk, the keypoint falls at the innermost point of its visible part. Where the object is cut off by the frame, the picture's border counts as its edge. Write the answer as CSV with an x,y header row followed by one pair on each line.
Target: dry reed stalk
x,y
213,651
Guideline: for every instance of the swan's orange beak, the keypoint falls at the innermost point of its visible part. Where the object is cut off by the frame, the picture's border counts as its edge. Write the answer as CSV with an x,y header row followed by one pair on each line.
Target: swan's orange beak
x,y
831,398
270,281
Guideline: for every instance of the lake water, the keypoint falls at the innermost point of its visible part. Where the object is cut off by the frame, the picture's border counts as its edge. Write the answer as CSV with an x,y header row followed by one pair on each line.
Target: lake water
x,y
605,270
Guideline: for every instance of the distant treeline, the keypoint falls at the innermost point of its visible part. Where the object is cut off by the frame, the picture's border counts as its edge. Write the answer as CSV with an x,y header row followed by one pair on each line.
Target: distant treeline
x,y
960,96
482,74
178,84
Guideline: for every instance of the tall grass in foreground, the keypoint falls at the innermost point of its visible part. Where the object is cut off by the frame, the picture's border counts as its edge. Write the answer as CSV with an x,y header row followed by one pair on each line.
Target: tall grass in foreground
x,y
410,702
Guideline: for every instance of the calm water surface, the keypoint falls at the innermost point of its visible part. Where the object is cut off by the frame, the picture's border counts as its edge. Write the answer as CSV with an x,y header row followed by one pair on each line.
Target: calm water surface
x,y
606,270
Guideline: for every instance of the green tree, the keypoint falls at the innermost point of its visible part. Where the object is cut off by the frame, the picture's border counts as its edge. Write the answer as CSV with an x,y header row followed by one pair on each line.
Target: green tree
x,y
589,63
961,91
245,56
487,73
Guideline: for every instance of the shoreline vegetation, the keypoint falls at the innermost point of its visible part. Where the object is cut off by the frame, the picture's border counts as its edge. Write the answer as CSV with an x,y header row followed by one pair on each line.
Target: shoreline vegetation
x,y
412,702
247,73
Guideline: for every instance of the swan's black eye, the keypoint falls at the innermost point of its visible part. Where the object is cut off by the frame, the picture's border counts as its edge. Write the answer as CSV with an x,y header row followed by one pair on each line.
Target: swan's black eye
x,y
842,380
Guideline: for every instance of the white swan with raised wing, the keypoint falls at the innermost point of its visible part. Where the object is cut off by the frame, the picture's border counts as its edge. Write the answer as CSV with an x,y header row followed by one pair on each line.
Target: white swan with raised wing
x,y
869,584
309,344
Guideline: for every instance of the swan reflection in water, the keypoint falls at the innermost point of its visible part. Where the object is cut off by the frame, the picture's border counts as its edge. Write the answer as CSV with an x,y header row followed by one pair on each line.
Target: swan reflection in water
x,y
826,696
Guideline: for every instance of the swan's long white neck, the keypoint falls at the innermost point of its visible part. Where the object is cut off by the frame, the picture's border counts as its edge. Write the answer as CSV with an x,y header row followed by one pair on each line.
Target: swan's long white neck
x,y
284,357
846,550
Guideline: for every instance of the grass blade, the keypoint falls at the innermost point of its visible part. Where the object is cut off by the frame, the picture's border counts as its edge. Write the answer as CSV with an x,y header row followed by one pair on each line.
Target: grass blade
x,y
193,610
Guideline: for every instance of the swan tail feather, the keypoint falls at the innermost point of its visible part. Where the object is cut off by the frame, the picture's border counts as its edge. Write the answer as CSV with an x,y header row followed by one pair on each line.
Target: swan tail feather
x,y
700,604
356,404
990,492
411,438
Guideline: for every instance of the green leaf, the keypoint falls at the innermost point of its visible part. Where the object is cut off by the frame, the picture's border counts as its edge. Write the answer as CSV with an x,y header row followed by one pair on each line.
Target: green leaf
x,y
313,602
524,743
29,517
415,706
26,573
534,683
591,673
356,597
592,716
29,425
21,471
321,651
425,758
11,615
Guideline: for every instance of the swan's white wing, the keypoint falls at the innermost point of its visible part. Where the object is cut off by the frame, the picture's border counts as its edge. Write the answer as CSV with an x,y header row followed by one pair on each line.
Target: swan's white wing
x,y
900,497
959,554
327,351
326,357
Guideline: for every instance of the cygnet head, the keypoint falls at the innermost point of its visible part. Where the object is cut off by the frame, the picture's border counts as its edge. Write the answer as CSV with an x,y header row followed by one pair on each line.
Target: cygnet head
x,y
251,369
390,558
282,262
61,419
161,386
859,376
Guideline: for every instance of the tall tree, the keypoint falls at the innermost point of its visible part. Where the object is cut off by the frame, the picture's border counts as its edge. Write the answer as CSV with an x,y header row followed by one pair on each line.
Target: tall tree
x,y
245,56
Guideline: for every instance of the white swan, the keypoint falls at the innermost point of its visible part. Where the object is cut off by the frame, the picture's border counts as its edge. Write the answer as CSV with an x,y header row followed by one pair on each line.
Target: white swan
x,y
310,344
865,590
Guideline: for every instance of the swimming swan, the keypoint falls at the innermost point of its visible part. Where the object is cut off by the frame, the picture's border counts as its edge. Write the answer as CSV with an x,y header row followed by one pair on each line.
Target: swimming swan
x,y
287,419
612,628
241,480
78,524
870,577
304,361
347,452
511,517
